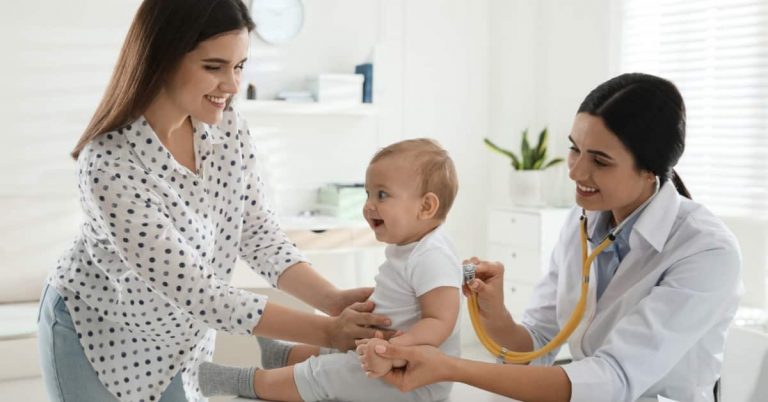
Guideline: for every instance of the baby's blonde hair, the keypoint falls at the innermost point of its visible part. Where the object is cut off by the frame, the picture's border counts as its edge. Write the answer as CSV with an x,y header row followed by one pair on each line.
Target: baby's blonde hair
x,y
434,167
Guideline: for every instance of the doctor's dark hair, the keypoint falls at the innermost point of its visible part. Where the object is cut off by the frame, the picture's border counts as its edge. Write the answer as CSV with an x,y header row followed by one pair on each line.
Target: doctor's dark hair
x,y
433,166
647,114
161,33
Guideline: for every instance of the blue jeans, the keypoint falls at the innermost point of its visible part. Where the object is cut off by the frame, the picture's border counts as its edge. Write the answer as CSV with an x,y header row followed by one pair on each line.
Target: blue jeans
x,y
67,373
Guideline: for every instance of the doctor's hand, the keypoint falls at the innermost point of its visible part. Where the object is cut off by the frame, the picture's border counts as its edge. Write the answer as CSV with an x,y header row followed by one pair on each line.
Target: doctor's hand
x,y
489,287
357,322
424,365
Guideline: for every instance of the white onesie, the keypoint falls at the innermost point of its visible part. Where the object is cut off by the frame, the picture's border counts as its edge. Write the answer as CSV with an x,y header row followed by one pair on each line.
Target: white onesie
x,y
409,272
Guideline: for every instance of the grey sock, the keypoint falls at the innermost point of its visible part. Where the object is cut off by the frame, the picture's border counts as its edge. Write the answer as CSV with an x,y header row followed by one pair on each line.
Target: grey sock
x,y
273,352
215,379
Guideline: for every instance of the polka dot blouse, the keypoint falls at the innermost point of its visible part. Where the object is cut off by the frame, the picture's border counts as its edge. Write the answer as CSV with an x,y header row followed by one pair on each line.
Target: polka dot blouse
x,y
147,280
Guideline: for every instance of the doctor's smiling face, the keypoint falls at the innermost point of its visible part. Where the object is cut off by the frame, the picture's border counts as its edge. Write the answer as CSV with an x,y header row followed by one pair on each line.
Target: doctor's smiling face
x,y
605,172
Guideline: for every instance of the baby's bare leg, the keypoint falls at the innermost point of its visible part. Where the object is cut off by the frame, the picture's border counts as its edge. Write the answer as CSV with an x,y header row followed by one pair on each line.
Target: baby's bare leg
x,y
276,384
301,352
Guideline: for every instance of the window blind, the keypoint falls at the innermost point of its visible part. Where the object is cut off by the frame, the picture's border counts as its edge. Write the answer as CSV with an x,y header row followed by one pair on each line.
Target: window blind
x,y
716,52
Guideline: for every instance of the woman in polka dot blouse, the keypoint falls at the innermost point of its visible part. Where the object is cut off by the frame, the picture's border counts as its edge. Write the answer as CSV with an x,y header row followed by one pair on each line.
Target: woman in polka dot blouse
x,y
172,199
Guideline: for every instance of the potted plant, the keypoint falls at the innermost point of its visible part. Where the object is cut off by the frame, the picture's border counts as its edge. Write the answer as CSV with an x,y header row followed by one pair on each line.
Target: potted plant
x,y
526,176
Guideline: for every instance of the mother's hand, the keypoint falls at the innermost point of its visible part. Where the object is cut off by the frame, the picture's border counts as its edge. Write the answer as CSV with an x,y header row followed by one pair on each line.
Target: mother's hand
x,y
424,365
342,299
356,322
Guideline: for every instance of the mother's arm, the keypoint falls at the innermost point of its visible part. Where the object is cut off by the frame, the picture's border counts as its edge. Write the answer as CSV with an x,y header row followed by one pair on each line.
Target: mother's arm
x,y
304,282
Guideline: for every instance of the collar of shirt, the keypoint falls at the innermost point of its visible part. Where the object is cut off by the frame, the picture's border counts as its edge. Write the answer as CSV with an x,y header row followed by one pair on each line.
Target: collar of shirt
x,y
653,224
604,226
402,252
156,157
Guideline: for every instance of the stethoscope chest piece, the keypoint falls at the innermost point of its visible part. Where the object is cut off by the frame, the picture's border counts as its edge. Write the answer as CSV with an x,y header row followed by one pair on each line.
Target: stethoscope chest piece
x,y
469,271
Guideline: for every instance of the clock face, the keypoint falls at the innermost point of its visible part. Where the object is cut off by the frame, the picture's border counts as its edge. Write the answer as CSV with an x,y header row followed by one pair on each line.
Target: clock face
x,y
277,21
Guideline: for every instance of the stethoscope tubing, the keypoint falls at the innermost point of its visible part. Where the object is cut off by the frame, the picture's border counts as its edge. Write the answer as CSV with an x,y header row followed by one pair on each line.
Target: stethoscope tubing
x,y
502,354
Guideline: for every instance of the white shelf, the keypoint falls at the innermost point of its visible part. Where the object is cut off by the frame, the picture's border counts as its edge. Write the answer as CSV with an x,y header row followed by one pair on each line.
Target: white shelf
x,y
264,107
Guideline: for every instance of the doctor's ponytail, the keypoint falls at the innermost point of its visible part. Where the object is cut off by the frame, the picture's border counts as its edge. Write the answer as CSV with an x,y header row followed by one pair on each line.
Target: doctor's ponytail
x,y
647,114
679,185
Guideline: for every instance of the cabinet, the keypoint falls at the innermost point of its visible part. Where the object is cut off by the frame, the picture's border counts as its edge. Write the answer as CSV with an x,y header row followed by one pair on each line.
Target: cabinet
x,y
344,252
348,256
522,239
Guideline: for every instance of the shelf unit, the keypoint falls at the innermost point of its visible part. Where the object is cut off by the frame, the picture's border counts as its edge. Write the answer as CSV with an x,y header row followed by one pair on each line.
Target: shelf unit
x,y
272,107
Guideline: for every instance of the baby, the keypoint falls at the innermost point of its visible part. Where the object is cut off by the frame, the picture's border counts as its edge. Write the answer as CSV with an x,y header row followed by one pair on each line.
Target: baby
x,y
411,186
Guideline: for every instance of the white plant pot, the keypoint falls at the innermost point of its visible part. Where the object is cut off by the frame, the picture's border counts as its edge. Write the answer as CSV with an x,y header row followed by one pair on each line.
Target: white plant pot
x,y
525,187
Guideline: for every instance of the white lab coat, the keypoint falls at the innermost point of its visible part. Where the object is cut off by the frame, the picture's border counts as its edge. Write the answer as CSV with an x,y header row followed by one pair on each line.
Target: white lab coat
x,y
659,328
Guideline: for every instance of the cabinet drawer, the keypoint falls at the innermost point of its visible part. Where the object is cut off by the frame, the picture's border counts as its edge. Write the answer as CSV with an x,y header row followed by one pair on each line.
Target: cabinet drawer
x,y
517,296
515,228
520,264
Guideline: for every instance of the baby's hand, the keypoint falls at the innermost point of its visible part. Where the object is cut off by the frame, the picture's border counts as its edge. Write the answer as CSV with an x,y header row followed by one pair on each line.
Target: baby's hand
x,y
374,365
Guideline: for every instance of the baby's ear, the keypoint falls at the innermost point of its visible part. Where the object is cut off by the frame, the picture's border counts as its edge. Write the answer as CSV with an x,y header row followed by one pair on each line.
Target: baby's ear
x,y
429,206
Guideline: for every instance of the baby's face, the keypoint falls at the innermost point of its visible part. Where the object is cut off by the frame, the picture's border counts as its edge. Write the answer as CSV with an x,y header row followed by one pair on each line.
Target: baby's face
x,y
394,200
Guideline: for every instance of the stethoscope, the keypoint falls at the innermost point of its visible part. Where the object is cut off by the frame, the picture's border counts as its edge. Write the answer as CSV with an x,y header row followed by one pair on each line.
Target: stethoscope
x,y
503,355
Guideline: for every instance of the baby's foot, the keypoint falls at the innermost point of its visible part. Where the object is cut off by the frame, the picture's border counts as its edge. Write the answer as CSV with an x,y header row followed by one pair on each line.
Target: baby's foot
x,y
375,365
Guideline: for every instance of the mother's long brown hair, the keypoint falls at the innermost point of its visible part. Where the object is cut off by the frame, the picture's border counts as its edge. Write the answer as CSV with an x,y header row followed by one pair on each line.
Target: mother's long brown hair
x,y
161,33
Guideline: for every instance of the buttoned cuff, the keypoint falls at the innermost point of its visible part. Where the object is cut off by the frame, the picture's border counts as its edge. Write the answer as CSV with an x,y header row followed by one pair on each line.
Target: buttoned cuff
x,y
591,381
545,360
247,311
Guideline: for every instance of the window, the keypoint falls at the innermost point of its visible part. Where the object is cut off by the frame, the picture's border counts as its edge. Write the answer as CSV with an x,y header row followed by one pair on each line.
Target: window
x,y
716,52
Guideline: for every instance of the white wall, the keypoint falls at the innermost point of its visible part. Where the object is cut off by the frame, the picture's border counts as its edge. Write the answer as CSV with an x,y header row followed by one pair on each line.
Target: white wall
x,y
56,60
431,80
545,57
445,96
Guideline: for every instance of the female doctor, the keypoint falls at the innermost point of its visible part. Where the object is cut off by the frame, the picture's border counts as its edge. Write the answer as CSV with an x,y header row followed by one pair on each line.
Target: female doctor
x,y
660,297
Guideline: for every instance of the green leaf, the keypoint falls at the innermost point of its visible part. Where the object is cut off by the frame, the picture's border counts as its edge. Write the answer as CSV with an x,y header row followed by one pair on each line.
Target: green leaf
x,y
526,151
530,158
497,148
553,162
541,147
514,160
